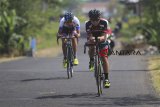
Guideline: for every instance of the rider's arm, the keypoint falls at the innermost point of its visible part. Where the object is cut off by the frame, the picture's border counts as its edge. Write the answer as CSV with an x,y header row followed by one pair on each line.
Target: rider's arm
x,y
106,32
61,26
103,37
88,31
77,22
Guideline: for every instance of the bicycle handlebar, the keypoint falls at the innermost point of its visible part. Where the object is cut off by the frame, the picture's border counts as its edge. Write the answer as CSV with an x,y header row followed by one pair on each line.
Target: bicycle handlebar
x,y
65,37
93,44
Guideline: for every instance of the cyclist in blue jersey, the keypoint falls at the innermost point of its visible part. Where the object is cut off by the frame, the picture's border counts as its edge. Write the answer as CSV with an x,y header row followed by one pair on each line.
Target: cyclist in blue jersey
x,y
69,23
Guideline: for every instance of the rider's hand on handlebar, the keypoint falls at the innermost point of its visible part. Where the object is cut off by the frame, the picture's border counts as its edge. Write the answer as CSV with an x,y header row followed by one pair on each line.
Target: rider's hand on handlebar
x,y
76,34
101,39
91,39
59,35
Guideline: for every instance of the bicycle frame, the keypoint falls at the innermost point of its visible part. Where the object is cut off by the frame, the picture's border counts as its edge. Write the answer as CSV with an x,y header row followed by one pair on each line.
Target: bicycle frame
x,y
97,66
69,53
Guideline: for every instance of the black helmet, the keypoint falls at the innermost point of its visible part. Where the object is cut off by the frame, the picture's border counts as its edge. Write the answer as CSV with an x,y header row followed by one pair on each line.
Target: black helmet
x,y
68,16
94,14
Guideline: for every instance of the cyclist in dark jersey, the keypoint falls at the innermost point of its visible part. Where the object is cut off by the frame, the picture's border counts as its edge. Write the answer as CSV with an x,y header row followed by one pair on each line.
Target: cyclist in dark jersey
x,y
96,26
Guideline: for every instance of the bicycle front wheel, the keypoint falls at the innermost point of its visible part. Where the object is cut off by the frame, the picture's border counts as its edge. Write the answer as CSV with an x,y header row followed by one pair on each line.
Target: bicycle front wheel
x,y
98,76
69,62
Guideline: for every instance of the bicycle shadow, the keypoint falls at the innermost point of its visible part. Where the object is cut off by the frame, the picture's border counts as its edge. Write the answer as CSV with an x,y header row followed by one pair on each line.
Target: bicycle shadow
x,y
74,95
39,79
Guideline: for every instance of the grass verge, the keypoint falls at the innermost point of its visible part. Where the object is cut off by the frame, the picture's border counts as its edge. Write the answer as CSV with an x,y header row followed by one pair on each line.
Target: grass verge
x,y
47,41
154,67
47,36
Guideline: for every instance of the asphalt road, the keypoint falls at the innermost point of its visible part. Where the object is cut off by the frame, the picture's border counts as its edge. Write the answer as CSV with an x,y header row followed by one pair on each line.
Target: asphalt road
x,y
42,82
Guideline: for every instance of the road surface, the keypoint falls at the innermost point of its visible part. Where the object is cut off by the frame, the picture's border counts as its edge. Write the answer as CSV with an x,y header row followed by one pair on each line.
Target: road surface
x,y
42,82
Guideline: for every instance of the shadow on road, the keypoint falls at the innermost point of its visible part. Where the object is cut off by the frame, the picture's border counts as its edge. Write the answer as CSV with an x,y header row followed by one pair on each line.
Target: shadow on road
x,y
78,95
37,79
131,70
78,71
136,100
92,100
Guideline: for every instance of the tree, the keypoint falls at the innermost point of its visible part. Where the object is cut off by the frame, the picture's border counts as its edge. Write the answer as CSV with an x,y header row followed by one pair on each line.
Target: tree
x,y
9,24
152,19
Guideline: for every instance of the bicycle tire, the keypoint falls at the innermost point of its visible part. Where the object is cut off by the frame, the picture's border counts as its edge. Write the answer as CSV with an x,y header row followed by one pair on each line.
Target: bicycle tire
x,y
100,77
97,75
71,62
68,65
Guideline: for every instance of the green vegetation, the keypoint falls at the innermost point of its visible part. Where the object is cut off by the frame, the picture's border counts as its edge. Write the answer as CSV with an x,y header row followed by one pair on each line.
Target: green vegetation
x,y
47,37
22,19
10,27
147,23
152,20
129,29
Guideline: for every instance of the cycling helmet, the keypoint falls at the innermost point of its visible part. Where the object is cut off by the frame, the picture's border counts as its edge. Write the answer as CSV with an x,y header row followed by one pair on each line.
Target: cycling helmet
x,y
68,16
94,14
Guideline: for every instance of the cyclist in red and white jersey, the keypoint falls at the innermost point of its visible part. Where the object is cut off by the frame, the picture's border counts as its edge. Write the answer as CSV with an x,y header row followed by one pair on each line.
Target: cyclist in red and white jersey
x,y
97,26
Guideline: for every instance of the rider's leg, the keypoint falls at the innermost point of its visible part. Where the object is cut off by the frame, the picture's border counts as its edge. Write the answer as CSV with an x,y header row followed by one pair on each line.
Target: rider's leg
x,y
91,52
64,48
74,42
105,62
105,66
104,57
64,53
91,56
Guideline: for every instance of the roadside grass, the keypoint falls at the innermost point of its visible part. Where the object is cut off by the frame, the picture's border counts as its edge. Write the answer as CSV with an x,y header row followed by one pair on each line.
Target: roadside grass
x,y
154,67
47,41
48,52
8,59
47,36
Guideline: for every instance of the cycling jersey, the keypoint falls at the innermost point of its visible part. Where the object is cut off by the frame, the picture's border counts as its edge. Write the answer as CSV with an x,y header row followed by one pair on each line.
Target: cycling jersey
x,y
102,27
65,28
